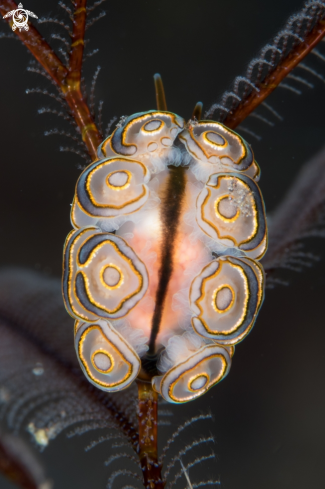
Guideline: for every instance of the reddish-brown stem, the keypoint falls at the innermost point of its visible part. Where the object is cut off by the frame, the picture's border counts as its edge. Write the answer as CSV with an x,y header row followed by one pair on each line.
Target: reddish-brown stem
x,y
71,87
148,435
236,116
77,43
12,468
68,80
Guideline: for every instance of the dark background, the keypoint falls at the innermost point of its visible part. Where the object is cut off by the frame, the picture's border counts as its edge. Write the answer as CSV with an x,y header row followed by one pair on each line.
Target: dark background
x,y
269,413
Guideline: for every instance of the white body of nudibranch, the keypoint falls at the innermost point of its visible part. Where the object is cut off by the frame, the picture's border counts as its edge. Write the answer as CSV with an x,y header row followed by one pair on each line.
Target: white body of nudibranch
x,y
139,275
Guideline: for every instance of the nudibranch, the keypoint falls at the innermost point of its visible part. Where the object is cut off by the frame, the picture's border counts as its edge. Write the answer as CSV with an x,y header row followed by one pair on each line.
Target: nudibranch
x,y
161,270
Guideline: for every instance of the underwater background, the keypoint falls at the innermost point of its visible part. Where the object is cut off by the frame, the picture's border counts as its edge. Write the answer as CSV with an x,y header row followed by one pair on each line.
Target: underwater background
x,y
268,415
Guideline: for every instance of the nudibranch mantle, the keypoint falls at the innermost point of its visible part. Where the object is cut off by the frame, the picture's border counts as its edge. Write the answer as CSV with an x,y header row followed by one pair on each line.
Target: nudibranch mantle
x,y
161,271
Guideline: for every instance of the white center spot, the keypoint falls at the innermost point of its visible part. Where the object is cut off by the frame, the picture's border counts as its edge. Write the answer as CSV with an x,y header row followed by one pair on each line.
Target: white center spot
x,y
111,276
167,141
152,147
215,138
226,208
199,382
102,361
224,298
118,179
152,126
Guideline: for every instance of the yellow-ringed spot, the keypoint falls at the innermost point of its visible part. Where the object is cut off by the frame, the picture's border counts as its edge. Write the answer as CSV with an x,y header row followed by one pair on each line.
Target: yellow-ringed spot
x,y
214,139
208,139
225,298
102,361
109,188
198,382
154,126
119,180
212,142
225,209
230,210
145,132
111,276
106,358
194,376
102,277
